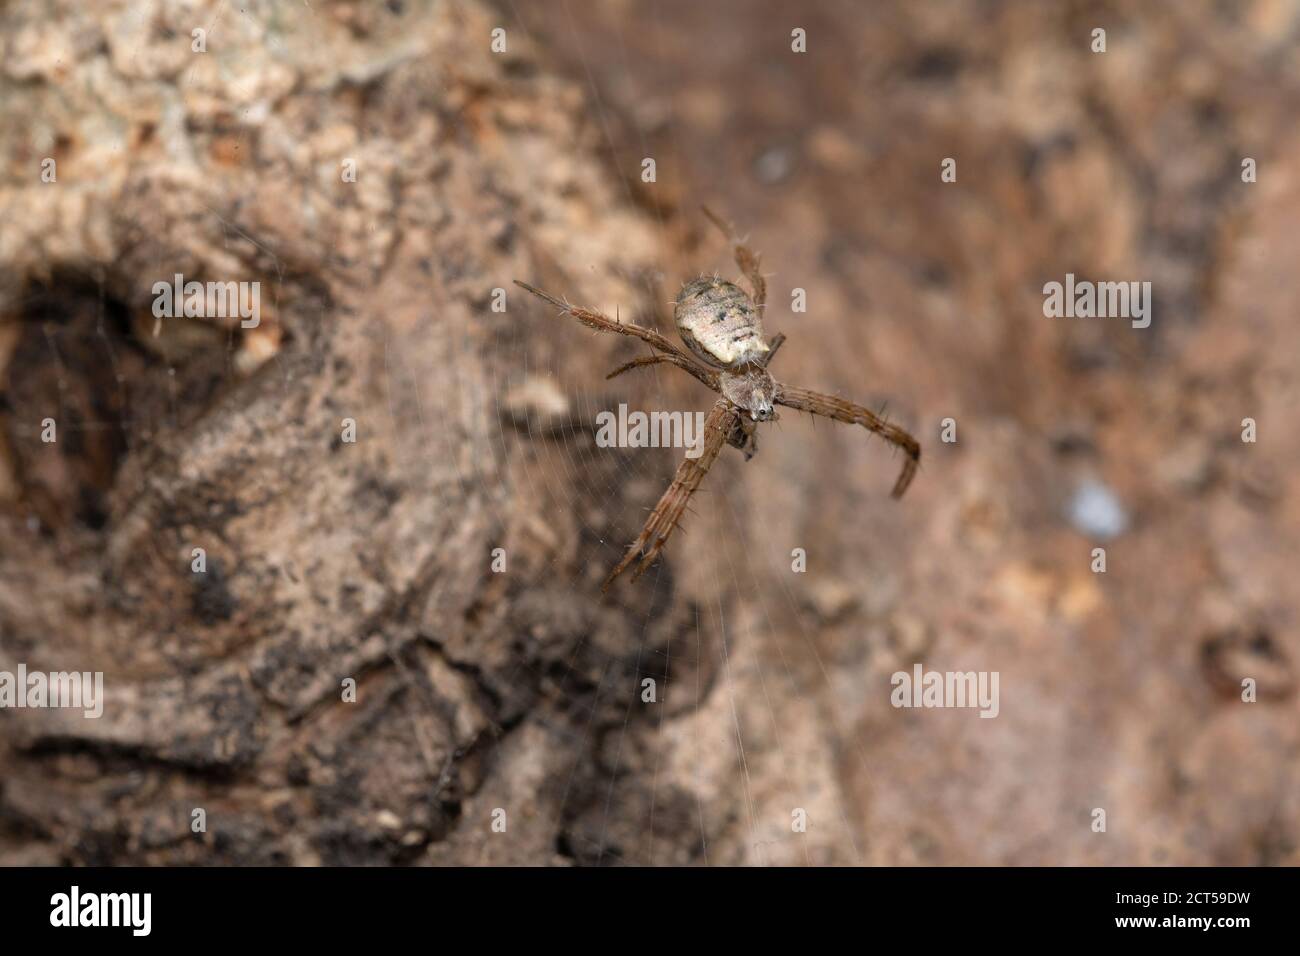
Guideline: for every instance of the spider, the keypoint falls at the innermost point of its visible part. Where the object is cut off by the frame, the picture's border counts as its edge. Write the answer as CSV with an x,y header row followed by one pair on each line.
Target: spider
x,y
722,326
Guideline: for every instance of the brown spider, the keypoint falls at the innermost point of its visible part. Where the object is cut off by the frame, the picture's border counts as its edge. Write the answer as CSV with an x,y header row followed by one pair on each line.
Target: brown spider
x,y
723,326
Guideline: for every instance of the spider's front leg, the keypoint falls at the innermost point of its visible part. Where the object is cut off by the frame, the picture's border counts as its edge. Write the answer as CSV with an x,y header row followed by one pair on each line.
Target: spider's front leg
x,y
837,408
668,512
603,323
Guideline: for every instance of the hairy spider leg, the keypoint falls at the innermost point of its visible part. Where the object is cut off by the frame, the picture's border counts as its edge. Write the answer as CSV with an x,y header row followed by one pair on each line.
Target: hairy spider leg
x,y
708,376
747,260
603,323
772,347
805,400
668,512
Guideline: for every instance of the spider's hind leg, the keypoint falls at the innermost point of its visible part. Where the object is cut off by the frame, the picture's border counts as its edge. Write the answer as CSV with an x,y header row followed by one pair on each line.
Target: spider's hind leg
x,y
747,260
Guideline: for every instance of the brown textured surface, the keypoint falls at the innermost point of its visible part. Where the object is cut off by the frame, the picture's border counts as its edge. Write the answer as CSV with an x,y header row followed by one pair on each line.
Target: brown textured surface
x,y
520,690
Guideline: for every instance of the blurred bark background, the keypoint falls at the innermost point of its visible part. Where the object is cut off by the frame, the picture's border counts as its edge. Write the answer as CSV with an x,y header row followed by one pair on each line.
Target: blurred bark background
x,y
520,691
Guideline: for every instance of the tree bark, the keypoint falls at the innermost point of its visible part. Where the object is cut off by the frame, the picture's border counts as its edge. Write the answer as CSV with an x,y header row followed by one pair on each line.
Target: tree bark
x,y
325,559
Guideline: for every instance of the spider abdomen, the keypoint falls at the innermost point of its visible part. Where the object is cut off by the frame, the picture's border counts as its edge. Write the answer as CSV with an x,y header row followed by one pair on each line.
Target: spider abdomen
x,y
718,322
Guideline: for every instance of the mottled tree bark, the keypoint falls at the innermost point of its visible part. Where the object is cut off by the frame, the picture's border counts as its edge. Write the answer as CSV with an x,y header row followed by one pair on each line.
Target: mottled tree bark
x,y
326,559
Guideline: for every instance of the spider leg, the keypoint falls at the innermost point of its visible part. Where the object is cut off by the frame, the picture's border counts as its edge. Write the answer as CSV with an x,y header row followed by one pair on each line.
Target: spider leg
x,y
637,363
707,376
603,323
842,411
747,260
668,512
772,347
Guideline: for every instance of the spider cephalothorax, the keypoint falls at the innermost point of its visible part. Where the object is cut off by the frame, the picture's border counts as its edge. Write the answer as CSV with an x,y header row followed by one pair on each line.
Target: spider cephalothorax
x,y
750,387
722,325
